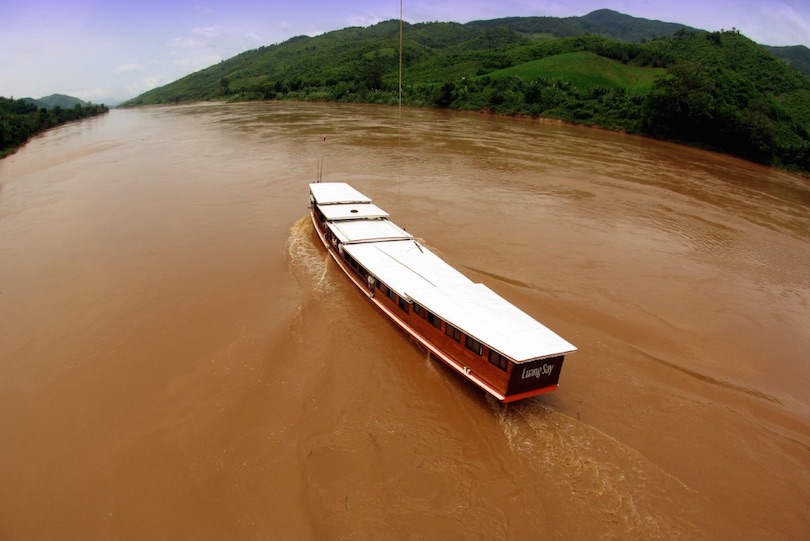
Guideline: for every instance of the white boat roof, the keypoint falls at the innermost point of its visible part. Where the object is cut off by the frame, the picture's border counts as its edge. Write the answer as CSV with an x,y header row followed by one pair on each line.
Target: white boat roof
x,y
418,275
330,193
415,273
489,318
404,266
350,232
352,211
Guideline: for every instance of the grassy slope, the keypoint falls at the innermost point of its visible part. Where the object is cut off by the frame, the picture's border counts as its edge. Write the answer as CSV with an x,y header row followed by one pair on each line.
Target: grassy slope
x,y
585,70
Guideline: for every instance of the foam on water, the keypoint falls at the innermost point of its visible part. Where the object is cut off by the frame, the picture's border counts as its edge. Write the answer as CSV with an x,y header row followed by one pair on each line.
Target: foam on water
x,y
633,494
308,260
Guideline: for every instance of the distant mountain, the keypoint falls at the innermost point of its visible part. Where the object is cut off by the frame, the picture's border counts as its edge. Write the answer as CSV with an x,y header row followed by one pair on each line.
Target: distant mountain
x,y
797,56
602,22
57,100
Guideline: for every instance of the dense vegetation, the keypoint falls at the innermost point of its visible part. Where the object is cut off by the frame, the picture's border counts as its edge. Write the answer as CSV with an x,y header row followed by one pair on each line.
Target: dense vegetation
x,y
603,22
20,120
798,56
717,90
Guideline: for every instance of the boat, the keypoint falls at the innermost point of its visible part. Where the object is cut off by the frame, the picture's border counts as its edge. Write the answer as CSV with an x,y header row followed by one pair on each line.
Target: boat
x,y
469,327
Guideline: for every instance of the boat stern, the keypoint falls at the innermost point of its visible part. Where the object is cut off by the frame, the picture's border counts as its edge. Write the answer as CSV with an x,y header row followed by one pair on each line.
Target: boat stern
x,y
534,377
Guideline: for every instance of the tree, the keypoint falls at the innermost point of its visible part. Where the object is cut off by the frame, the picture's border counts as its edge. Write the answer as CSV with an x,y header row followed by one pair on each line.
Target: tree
x,y
443,98
681,103
372,76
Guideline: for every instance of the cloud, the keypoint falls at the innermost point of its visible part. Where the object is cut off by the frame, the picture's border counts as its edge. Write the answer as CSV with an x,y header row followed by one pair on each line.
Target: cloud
x,y
363,19
151,82
207,31
186,43
226,42
147,83
188,64
197,38
128,68
777,24
98,95
204,10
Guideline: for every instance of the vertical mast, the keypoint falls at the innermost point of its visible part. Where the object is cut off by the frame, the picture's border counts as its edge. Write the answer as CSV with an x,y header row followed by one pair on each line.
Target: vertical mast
x,y
400,63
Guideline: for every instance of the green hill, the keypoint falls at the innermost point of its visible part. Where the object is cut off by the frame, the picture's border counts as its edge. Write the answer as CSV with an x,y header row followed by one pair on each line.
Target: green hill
x,y
717,90
57,100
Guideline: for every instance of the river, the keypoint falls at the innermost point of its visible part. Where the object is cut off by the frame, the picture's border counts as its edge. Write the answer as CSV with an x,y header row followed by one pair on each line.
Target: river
x,y
180,360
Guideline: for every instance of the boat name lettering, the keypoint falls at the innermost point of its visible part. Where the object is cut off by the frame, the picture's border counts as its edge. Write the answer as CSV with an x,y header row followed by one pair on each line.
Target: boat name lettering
x,y
540,371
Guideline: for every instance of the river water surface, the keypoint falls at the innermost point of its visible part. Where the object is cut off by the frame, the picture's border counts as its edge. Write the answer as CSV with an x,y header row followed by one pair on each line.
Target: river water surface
x,y
180,360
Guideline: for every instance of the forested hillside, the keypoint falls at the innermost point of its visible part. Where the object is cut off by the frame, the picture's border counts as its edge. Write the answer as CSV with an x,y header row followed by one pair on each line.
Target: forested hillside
x,y
716,90
21,120
603,22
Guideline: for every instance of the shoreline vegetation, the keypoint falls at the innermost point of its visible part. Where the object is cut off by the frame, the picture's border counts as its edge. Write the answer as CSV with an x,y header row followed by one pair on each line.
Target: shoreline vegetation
x,y
718,91
21,120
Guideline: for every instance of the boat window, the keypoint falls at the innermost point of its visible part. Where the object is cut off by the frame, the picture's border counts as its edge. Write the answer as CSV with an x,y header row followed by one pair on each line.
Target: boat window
x,y
391,295
452,332
498,360
473,345
403,304
426,314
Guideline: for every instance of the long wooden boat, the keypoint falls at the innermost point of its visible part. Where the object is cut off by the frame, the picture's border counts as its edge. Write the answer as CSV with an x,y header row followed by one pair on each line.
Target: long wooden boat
x,y
465,324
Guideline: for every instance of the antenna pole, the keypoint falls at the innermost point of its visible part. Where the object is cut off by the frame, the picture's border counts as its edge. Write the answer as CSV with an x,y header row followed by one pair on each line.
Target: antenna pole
x,y
400,56
320,159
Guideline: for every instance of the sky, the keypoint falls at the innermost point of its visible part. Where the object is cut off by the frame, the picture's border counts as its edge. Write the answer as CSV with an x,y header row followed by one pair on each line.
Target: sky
x,y
107,51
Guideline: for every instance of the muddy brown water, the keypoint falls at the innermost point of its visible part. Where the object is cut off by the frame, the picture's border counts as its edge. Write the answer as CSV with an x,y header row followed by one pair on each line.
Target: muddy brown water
x,y
180,360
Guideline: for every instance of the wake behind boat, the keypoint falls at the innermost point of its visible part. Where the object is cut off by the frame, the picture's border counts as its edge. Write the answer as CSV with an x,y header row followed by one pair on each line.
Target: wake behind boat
x,y
465,324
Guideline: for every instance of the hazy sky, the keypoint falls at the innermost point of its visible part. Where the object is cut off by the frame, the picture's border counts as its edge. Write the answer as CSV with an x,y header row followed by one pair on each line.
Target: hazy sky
x,y
111,50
